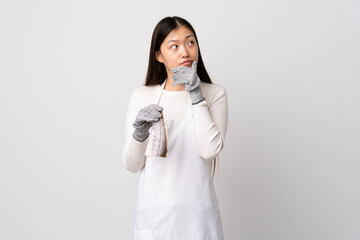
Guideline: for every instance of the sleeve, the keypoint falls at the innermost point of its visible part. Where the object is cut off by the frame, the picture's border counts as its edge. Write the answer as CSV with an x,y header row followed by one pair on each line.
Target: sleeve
x,y
133,150
210,124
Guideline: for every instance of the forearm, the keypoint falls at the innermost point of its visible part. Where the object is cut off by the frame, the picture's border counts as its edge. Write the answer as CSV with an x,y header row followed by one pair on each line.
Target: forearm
x,y
134,155
208,137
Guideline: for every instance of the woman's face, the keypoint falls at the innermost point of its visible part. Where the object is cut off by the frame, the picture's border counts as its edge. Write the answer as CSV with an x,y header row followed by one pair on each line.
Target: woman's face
x,y
179,45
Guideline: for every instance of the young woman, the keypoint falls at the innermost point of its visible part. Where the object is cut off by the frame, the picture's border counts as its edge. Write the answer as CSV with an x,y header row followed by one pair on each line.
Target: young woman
x,y
176,196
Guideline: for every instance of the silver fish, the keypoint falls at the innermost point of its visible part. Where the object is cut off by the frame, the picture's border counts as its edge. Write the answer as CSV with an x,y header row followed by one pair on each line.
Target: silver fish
x,y
158,138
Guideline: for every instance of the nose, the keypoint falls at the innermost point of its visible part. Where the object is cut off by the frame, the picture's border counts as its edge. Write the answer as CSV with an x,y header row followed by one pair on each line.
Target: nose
x,y
184,52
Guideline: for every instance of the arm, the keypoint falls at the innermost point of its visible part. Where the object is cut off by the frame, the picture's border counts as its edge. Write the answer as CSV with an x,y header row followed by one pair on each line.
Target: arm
x,y
210,124
133,150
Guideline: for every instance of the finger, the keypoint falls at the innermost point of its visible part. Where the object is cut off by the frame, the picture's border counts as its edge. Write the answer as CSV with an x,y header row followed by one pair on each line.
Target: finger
x,y
178,69
178,78
142,121
156,115
185,70
175,77
151,119
180,81
139,123
174,70
194,64
153,115
158,107
177,83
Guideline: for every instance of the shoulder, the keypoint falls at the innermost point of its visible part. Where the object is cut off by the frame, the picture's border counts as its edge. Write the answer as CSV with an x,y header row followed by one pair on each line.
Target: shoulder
x,y
144,94
144,91
213,91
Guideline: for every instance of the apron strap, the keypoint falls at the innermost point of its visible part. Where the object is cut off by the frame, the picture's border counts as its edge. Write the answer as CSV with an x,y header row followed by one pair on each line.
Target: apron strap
x,y
157,100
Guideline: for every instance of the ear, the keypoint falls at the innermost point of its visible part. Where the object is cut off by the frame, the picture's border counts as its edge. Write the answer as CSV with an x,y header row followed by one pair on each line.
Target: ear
x,y
158,56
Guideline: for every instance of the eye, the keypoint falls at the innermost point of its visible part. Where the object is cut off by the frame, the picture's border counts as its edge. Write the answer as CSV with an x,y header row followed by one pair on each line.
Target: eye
x,y
172,46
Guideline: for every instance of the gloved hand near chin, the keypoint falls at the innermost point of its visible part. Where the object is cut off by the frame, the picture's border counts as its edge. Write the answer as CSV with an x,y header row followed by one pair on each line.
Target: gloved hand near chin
x,y
146,116
188,75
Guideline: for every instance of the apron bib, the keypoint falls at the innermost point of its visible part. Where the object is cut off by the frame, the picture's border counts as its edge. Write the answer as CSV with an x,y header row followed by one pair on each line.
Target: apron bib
x,y
176,199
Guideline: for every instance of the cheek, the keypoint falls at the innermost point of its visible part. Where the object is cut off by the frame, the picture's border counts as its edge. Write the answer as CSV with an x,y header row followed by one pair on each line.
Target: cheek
x,y
195,51
171,63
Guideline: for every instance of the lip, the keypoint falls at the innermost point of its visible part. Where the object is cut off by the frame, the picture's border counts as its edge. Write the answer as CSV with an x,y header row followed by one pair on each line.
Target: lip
x,y
187,62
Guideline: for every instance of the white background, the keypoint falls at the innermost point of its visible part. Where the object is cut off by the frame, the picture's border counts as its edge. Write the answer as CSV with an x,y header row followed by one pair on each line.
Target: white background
x,y
290,167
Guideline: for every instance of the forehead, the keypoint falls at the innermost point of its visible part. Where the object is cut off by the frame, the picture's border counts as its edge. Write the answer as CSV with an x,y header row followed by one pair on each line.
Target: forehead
x,y
178,34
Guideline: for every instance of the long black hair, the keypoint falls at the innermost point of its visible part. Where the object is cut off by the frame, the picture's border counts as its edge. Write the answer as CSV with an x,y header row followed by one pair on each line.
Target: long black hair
x,y
156,73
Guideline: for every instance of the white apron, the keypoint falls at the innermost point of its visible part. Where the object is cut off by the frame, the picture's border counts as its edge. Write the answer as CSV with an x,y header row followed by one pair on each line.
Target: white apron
x,y
176,197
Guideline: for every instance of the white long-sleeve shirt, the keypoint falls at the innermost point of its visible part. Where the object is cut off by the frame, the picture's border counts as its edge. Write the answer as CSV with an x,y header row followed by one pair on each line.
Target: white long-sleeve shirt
x,y
210,119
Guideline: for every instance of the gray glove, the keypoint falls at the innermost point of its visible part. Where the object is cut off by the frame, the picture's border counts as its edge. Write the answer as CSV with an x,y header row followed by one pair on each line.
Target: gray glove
x,y
146,116
188,75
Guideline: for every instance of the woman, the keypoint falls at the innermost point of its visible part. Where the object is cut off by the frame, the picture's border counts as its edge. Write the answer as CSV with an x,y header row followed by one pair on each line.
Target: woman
x,y
176,196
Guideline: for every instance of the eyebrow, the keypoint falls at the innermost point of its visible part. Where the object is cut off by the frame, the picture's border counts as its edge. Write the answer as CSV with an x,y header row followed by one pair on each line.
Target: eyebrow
x,y
185,38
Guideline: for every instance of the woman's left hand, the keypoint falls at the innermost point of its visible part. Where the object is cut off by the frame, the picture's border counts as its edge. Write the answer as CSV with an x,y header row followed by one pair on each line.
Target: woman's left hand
x,y
188,76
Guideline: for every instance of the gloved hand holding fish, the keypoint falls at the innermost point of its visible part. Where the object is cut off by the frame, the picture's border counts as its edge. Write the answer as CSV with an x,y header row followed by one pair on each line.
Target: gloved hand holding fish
x,y
143,122
150,123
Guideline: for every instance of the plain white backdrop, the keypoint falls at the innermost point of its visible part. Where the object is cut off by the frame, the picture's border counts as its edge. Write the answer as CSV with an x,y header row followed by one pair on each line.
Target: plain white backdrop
x,y
290,166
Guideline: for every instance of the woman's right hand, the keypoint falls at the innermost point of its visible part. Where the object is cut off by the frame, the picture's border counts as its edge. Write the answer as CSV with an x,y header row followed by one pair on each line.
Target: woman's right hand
x,y
146,116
